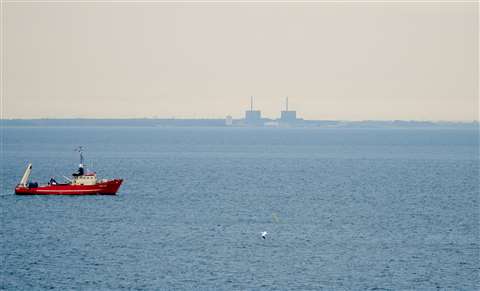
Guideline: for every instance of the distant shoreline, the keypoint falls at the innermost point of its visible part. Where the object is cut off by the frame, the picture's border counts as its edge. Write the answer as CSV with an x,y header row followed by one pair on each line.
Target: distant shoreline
x,y
171,122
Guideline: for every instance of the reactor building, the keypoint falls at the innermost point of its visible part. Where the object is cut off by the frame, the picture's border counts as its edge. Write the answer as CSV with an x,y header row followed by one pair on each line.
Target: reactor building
x,y
288,116
253,117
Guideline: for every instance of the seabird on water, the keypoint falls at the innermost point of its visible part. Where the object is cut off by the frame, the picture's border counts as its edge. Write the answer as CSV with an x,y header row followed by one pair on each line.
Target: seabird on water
x,y
264,234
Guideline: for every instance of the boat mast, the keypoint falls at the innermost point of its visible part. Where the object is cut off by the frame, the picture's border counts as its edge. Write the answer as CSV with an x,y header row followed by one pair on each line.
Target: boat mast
x,y
80,166
80,150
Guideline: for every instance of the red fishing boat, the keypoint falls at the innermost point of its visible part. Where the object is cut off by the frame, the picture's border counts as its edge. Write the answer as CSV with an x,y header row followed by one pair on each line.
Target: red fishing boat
x,y
82,183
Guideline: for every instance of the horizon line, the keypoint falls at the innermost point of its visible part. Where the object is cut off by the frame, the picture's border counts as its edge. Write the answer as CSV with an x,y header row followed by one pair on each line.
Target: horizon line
x,y
218,118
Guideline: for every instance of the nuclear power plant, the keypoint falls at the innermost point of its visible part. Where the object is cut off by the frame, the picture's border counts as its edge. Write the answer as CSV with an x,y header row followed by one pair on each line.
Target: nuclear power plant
x,y
253,117
288,116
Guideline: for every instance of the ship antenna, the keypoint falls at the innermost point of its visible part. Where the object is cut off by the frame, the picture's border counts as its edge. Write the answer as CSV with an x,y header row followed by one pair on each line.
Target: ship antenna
x,y
80,150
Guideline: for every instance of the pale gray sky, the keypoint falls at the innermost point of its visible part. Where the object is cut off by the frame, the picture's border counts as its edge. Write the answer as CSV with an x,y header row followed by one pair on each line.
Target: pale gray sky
x,y
349,61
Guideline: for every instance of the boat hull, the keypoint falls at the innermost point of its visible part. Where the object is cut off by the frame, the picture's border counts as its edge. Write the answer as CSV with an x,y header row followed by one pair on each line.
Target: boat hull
x,y
109,187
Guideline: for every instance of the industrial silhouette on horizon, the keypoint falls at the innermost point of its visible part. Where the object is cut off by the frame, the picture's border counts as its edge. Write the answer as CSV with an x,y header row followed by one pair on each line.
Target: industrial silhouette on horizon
x,y
254,118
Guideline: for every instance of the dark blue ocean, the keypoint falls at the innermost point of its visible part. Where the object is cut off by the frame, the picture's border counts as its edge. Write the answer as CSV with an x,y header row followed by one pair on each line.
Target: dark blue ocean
x,y
345,209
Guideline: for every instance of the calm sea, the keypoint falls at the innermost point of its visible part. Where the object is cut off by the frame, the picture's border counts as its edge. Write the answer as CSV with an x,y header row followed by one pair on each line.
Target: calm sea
x,y
343,208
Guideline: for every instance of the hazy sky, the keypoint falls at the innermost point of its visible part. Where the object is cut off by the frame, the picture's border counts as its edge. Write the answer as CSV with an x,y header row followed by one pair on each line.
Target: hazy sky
x,y
349,61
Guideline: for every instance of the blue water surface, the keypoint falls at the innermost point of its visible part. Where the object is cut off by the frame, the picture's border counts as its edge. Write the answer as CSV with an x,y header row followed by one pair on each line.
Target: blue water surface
x,y
344,209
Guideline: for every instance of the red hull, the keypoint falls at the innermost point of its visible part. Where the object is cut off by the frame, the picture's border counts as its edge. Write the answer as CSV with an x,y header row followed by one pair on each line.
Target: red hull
x,y
109,187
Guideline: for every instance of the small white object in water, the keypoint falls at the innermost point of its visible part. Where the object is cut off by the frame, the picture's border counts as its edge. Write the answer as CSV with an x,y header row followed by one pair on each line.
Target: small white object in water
x,y
264,234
